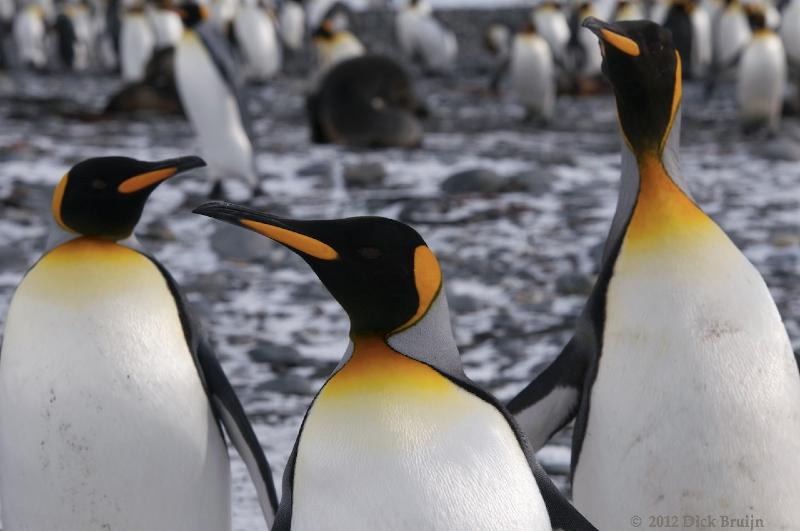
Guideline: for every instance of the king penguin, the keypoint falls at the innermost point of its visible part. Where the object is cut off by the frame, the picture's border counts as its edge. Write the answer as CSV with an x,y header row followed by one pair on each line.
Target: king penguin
x,y
136,43
333,44
292,21
424,36
790,32
257,35
29,36
398,437
533,75
680,373
111,404
210,89
761,81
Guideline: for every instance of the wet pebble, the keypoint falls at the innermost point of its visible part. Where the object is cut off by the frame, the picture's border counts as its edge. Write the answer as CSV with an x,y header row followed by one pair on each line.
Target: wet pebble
x,y
291,385
236,244
364,175
479,180
268,352
573,284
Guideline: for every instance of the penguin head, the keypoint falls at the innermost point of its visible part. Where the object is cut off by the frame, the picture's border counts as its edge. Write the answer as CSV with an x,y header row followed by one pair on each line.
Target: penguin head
x,y
756,17
379,270
104,197
192,13
640,60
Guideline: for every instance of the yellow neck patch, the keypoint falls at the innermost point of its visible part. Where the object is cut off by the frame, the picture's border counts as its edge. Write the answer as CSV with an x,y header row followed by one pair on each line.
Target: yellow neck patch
x,y
375,369
295,240
58,198
662,212
428,280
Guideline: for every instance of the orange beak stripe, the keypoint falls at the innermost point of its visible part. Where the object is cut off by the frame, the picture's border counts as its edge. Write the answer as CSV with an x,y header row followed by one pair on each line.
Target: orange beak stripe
x,y
140,182
621,43
295,240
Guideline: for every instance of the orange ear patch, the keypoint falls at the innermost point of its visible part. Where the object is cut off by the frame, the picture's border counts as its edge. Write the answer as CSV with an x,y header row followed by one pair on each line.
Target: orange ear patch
x,y
621,43
428,279
295,240
140,182
58,197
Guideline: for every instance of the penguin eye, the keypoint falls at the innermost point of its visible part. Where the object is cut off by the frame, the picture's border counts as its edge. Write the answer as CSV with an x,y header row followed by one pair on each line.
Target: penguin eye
x,y
99,184
369,253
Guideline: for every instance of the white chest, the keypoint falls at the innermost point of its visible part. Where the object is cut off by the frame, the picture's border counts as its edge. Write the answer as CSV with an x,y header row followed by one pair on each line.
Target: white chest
x,y
104,423
395,457
696,404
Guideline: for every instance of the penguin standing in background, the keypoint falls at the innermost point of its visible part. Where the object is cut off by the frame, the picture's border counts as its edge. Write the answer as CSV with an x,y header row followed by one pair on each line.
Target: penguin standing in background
x,y
551,24
292,22
254,27
166,24
210,91
702,38
584,55
29,37
333,44
628,10
365,102
731,35
679,22
136,43
398,437
67,40
790,32
220,14
533,74
680,373
111,404
497,40
424,37
761,80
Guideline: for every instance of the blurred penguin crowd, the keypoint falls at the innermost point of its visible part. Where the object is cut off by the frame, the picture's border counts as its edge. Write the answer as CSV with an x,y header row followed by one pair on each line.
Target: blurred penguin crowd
x,y
196,58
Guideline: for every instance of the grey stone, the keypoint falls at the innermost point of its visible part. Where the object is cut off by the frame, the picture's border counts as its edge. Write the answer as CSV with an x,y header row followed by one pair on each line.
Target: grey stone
x,y
288,385
237,244
267,352
479,180
315,169
573,284
364,175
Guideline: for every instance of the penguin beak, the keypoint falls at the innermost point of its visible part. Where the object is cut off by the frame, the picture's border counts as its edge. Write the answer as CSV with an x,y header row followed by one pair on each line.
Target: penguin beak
x,y
291,233
158,172
611,34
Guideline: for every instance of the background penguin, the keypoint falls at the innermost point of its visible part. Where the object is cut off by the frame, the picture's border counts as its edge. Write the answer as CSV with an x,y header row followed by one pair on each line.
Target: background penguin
x,y
29,37
551,23
258,40
680,372
583,55
399,437
731,35
532,73
292,21
790,32
333,44
426,38
67,40
166,24
365,102
136,43
761,81
628,10
111,405
679,22
209,87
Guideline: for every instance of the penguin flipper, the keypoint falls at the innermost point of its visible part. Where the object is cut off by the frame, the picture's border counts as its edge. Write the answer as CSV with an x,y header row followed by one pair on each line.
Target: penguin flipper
x,y
552,399
563,516
231,414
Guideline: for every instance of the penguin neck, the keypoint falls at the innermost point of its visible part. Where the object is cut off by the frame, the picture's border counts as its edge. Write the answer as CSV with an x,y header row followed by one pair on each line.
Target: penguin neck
x,y
663,207
429,341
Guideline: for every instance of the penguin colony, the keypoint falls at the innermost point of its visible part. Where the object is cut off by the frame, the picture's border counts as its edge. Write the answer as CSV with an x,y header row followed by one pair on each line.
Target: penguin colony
x,y
114,408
